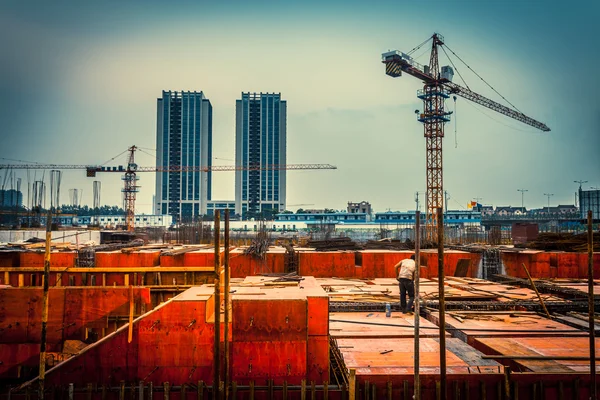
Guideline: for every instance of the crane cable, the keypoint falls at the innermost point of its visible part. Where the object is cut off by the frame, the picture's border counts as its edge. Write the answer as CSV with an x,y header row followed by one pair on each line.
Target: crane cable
x,y
118,155
495,120
484,81
419,46
455,68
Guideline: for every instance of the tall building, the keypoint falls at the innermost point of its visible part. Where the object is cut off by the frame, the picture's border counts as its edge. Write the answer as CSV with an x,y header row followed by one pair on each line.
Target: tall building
x,y
11,198
260,141
589,200
183,139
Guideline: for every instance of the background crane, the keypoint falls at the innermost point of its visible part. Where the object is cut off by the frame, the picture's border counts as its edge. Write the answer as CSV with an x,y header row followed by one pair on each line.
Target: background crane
x,y
130,171
438,86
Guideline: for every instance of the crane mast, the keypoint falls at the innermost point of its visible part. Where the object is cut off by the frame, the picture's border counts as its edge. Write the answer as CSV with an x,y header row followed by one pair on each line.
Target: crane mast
x,y
438,87
130,189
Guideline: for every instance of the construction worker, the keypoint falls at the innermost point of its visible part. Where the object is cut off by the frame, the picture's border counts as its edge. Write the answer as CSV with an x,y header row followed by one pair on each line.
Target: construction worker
x,y
405,275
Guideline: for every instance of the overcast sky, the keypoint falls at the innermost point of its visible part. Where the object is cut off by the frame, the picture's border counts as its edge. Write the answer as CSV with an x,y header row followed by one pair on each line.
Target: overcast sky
x,y
79,82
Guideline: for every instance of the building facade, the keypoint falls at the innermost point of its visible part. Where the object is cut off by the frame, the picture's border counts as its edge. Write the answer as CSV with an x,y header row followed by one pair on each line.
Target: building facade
x,y
260,141
362,207
589,200
11,198
183,139
214,206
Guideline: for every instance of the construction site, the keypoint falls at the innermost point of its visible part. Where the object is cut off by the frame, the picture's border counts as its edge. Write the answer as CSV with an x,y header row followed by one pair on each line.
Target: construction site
x,y
198,315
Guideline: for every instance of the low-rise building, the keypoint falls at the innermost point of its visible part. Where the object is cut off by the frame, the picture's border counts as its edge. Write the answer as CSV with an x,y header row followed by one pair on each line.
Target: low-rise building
x,y
221,205
362,207
456,217
315,218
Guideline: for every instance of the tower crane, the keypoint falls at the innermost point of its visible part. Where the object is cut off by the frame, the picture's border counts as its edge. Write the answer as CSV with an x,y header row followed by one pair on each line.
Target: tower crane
x,y
438,86
130,171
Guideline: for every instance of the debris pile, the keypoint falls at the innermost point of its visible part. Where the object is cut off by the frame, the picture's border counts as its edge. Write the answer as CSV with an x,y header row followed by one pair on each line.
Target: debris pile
x,y
563,242
341,243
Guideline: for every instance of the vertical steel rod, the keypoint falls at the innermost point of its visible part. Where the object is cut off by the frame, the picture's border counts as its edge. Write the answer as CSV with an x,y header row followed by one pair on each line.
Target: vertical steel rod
x,y
227,290
131,306
590,243
417,393
217,353
45,302
440,238
352,385
536,291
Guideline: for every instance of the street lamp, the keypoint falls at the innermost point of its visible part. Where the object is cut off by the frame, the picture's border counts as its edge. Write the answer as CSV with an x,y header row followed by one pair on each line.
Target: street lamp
x,y
522,198
548,195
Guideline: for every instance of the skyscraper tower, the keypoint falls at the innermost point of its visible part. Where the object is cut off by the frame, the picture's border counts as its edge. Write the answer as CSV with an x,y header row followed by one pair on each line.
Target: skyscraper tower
x,y
260,141
183,138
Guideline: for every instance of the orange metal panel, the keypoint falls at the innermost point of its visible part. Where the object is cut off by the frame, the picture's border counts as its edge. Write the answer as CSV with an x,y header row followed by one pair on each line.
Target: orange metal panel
x,y
326,264
380,360
13,355
201,258
269,320
317,368
549,347
276,261
9,259
57,259
318,315
172,261
275,360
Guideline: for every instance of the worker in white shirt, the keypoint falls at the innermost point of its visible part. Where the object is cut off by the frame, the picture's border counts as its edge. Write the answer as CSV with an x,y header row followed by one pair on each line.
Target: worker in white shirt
x,y
405,274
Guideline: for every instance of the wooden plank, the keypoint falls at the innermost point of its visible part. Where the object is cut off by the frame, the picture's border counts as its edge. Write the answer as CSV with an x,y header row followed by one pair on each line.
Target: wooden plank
x,y
462,267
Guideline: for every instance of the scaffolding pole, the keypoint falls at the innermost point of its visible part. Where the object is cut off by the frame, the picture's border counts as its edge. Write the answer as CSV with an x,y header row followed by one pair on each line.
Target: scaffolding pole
x,y
442,301
217,343
417,393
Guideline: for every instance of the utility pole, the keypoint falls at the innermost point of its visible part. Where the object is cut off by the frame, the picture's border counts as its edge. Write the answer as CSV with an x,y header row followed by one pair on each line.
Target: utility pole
x,y
446,200
548,195
417,200
522,197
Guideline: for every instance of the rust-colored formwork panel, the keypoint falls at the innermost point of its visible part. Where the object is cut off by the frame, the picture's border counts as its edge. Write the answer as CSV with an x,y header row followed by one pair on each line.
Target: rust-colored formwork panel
x,y
567,265
326,264
543,264
363,325
10,259
176,260
62,259
381,263
145,258
91,307
201,258
503,324
429,261
318,314
380,360
317,360
276,261
108,361
21,315
540,347
242,265
70,310
14,355
269,319
277,360
178,341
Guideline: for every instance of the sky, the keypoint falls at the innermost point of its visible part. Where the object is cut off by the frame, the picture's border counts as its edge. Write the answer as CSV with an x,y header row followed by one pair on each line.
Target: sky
x,y
79,83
